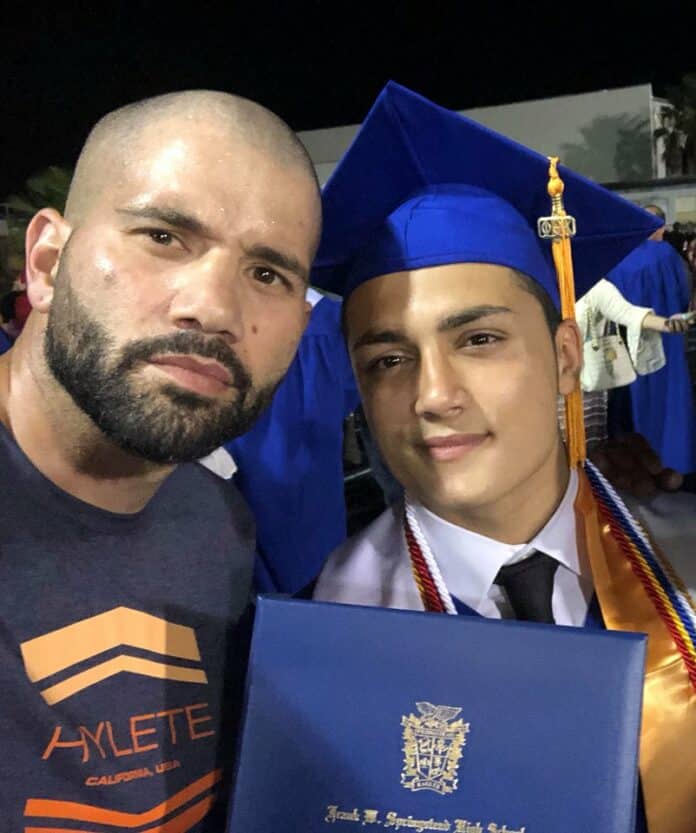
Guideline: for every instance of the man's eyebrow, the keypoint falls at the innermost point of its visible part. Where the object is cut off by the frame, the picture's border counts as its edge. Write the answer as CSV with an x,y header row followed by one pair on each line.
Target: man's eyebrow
x,y
279,259
468,315
374,336
171,216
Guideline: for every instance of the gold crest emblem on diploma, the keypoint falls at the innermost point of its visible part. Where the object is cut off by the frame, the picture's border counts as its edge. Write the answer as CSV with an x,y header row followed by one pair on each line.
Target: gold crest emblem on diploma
x,y
432,748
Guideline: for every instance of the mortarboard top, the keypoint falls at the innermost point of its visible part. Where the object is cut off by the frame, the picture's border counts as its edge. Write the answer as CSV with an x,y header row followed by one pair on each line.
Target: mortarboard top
x,y
423,186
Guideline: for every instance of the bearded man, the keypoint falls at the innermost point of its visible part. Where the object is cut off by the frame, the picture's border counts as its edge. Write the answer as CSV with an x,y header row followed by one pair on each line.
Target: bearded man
x,y
167,304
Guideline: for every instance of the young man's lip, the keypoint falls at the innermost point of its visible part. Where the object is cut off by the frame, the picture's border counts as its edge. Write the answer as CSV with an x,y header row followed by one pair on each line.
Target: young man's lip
x,y
211,369
452,447
454,440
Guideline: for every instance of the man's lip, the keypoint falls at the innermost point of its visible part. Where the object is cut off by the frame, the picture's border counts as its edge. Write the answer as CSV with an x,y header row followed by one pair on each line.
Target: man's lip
x,y
211,369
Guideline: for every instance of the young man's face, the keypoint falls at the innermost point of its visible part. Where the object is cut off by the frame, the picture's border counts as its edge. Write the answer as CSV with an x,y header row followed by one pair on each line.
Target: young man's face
x,y
460,377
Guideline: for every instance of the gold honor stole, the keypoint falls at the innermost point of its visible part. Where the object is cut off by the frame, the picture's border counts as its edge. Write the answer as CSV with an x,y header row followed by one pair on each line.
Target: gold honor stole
x,y
668,734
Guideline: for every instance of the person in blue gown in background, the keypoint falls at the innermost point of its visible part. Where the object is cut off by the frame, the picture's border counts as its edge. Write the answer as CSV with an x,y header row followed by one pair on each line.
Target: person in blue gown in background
x,y
290,465
661,404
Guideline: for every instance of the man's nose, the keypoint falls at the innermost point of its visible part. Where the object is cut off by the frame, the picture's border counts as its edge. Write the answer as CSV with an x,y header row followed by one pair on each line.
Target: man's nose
x,y
210,298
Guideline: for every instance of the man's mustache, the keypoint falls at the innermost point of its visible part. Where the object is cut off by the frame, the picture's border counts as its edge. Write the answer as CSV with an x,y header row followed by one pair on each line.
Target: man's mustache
x,y
191,344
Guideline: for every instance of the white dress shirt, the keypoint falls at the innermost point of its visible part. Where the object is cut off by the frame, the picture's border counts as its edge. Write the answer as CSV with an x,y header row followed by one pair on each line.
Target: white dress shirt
x,y
374,567
220,462
469,562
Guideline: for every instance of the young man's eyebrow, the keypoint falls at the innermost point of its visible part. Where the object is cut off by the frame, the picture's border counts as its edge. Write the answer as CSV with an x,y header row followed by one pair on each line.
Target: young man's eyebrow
x,y
466,316
373,336
279,259
170,216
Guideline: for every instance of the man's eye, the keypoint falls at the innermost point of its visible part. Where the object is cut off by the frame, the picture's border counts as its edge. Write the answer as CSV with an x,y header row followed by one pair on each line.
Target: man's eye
x,y
269,277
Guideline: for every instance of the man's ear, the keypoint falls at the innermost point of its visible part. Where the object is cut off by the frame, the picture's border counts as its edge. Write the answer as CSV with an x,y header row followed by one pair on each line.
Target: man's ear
x,y
46,236
568,356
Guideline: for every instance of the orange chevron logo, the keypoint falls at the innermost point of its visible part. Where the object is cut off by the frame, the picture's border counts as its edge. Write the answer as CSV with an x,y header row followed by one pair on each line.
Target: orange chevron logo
x,y
121,627
184,820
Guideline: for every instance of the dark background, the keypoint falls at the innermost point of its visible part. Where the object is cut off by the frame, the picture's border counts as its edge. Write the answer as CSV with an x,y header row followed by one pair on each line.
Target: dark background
x,y
316,64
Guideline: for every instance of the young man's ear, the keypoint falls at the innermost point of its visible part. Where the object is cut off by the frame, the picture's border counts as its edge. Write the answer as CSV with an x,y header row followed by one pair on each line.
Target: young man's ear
x,y
46,236
568,355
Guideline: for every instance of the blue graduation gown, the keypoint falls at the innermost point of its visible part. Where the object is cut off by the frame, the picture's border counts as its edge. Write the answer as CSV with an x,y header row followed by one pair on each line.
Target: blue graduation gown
x,y
5,342
661,404
291,462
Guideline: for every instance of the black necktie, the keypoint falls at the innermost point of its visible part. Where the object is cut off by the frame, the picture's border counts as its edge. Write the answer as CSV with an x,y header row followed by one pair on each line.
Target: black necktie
x,y
529,587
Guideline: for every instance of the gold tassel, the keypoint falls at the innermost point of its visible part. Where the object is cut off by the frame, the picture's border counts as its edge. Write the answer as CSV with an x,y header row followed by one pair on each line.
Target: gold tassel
x,y
561,227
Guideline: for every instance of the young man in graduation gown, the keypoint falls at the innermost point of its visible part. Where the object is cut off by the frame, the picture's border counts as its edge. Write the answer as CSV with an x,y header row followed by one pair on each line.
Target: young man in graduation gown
x,y
451,320
661,404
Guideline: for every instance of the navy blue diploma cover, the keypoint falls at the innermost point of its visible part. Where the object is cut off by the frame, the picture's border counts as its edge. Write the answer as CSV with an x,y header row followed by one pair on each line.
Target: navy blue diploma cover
x,y
360,717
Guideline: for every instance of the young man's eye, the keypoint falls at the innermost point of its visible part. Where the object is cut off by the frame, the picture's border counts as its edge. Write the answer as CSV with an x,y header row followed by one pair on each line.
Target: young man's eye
x,y
162,238
385,363
481,339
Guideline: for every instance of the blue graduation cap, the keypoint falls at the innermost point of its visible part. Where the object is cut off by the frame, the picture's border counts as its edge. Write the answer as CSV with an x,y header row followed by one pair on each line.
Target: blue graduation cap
x,y
423,186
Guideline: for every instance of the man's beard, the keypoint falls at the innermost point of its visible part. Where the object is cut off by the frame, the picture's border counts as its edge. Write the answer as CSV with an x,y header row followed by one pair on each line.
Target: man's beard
x,y
164,425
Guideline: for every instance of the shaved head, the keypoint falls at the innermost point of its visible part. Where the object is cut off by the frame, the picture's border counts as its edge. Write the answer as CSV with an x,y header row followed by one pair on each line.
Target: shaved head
x,y
123,136
659,233
656,210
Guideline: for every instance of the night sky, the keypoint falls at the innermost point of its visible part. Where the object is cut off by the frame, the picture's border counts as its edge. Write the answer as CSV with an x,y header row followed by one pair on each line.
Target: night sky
x,y
316,64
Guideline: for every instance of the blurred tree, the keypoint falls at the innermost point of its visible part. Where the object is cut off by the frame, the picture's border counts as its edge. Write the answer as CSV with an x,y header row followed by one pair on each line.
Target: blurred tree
x,y
47,188
611,148
678,127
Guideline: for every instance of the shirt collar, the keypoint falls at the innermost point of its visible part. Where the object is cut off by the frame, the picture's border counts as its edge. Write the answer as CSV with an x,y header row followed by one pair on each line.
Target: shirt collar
x,y
469,562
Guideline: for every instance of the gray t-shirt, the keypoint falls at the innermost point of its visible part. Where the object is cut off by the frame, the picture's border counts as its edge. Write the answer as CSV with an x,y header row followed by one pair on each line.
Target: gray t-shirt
x,y
122,648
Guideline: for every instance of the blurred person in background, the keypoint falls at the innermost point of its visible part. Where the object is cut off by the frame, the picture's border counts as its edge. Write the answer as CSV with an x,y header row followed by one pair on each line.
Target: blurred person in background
x,y
596,312
660,405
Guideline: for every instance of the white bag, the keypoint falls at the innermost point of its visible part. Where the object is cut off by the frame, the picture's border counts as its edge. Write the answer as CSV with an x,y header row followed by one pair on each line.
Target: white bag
x,y
606,362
